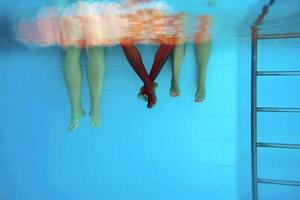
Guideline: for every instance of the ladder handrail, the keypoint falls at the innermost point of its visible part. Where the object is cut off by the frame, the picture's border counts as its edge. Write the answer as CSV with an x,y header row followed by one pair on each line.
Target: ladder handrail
x,y
262,15
254,74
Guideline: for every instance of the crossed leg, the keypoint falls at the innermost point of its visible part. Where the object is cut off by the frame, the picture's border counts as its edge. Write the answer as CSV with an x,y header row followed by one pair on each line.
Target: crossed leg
x,y
135,60
160,59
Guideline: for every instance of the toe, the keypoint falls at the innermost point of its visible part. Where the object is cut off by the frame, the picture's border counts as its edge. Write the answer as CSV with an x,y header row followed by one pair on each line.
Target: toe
x,y
96,125
72,127
199,99
142,97
95,120
174,93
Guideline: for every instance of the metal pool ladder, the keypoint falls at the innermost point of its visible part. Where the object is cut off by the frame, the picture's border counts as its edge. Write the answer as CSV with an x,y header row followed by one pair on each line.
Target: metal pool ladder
x,y
255,109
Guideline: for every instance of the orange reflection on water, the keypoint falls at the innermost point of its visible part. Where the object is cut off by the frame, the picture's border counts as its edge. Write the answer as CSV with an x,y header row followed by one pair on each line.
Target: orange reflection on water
x,y
84,29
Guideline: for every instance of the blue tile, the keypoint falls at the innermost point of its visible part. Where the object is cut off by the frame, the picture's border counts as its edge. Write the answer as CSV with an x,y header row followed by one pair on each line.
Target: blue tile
x,y
197,127
68,175
223,103
229,184
216,178
223,127
217,153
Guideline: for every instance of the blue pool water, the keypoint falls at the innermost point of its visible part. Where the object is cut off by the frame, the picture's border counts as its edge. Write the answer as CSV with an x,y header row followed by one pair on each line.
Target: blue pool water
x,y
177,150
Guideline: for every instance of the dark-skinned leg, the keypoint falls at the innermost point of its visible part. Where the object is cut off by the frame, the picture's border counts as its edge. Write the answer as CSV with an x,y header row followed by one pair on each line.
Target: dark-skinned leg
x,y
135,60
161,57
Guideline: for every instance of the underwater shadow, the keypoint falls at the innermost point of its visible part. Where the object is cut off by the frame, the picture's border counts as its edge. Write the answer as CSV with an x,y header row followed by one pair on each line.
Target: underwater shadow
x,y
244,180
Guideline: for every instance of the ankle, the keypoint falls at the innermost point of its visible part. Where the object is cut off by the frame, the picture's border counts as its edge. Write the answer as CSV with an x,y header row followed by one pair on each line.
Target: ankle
x,y
77,110
94,112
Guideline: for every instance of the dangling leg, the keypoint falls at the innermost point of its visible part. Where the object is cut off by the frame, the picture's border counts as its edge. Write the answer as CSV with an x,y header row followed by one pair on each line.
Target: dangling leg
x,y
177,60
95,72
134,58
73,76
160,59
202,52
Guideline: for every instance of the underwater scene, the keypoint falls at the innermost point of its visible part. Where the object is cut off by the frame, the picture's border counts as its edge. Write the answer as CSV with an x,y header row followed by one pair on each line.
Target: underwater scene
x,y
150,100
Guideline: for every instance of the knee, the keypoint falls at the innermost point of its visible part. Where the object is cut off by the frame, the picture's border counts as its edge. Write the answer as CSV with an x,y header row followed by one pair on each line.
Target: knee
x,y
127,42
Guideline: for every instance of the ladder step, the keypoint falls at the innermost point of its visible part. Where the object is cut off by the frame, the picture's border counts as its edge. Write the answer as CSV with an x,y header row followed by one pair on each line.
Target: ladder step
x,y
278,182
278,145
279,36
273,109
278,73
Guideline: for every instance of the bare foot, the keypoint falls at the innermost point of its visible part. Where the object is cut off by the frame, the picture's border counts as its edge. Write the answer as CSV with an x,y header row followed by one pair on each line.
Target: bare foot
x,y
174,90
142,94
95,119
75,120
151,100
200,94
151,96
